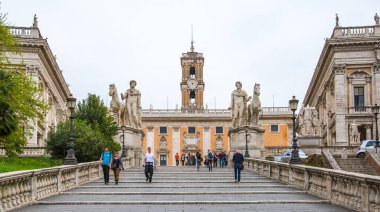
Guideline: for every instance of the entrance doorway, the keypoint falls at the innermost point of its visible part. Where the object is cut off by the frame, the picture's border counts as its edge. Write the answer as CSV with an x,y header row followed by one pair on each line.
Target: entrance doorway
x,y
163,160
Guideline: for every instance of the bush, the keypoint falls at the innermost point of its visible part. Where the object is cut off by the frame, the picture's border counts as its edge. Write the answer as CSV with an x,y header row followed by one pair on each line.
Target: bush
x,y
88,142
10,164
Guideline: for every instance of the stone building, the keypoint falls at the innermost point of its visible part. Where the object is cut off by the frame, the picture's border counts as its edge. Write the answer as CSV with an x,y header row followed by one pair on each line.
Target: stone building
x,y
194,127
37,60
346,84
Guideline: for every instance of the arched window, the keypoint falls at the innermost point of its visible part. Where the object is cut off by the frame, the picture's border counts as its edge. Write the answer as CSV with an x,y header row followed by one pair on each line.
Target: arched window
x,y
192,98
192,73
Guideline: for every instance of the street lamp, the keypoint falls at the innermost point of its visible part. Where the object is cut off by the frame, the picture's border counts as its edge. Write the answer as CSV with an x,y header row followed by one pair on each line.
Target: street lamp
x,y
246,155
123,152
295,158
70,157
375,110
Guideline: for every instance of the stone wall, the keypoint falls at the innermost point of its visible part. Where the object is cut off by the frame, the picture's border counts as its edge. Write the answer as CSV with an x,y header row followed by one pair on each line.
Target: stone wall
x,y
351,190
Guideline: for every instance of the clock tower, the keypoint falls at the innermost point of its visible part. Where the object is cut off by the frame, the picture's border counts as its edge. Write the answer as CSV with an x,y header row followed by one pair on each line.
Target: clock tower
x,y
192,85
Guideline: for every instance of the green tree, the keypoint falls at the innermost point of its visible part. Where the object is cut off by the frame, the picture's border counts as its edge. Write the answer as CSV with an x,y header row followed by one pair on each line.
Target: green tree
x,y
20,108
94,111
88,142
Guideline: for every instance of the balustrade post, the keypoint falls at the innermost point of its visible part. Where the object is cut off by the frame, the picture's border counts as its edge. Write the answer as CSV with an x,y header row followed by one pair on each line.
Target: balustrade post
x,y
306,179
365,197
76,175
59,180
290,175
328,184
89,172
34,187
270,171
279,173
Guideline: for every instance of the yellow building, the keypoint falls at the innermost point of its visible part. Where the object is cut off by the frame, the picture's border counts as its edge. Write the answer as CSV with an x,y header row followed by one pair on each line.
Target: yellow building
x,y
195,128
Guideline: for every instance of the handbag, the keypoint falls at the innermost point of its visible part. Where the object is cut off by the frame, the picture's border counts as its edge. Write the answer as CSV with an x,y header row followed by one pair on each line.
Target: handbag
x,y
242,167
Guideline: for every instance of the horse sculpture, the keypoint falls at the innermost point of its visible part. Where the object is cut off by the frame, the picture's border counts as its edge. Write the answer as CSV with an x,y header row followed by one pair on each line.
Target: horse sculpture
x,y
116,106
255,107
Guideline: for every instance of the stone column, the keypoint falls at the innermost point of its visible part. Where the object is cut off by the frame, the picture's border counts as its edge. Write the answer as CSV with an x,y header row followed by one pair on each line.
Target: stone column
x,y
340,102
368,133
206,139
376,85
150,138
176,144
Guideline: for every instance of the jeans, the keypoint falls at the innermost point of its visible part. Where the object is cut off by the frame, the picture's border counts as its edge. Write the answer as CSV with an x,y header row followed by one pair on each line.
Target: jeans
x,y
210,164
149,172
106,173
177,162
237,169
198,164
183,162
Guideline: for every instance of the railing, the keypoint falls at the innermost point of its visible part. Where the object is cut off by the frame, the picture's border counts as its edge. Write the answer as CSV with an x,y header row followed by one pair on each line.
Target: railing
x,y
360,109
361,31
276,110
351,190
25,32
22,188
28,152
334,150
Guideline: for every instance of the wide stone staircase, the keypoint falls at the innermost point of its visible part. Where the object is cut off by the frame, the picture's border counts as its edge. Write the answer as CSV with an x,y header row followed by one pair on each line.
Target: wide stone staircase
x,y
359,165
184,189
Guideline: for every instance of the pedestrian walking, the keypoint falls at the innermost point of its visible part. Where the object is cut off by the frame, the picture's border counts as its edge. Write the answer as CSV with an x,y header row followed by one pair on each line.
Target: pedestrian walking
x,y
198,159
221,162
177,159
210,158
238,160
116,166
149,162
183,159
106,160
215,159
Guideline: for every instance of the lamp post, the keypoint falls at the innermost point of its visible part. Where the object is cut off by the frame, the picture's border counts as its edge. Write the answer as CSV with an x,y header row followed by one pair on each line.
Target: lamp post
x,y
375,110
123,152
70,157
295,158
246,155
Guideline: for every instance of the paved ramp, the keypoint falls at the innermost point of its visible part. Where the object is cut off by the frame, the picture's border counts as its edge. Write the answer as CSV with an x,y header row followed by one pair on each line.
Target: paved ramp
x,y
184,189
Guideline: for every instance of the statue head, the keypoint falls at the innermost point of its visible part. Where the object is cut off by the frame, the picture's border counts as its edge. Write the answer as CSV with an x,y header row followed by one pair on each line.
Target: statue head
x,y
112,89
238,84
256,89
132,83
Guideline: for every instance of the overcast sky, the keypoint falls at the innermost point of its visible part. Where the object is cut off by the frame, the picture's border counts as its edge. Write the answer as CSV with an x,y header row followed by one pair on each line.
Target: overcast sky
x,y
274,43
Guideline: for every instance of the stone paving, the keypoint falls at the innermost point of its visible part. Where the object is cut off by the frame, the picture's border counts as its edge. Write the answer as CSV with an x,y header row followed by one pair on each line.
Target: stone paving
x,y
184,189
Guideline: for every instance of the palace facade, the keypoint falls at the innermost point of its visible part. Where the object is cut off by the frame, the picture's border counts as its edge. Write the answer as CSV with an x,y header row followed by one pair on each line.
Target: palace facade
x,y
346,84
37,60
193,127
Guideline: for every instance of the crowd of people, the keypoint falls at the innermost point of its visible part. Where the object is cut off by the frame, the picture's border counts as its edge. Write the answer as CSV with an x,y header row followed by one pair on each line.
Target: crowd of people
x,y
113,162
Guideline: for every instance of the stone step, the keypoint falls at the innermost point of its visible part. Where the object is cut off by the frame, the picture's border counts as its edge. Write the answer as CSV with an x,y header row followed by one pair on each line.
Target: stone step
x,y
199,197
126,193
184,186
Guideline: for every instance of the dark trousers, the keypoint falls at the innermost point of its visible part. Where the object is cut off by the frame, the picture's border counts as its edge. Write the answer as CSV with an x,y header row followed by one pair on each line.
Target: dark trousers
x,y
106,173
177,162
149,172
237,169
210,164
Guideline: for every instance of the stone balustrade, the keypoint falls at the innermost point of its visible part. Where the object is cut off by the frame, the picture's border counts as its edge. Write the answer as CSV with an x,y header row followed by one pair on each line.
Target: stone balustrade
x,y
334,150
28,152
22,188
351,190
358,31
25,32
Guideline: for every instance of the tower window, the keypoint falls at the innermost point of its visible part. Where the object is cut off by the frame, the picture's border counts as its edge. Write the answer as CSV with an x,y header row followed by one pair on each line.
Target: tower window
x,y
219,130
274,128
191,130
192,72
192,98
163,130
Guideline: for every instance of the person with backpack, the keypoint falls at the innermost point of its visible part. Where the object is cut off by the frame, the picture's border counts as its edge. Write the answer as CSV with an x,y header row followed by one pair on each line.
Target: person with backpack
x,y
210,158
117,165
106,161
198,159
238,160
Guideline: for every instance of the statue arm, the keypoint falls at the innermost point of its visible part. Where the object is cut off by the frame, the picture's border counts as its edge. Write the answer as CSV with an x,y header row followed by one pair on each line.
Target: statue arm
x,y
139,101
232,102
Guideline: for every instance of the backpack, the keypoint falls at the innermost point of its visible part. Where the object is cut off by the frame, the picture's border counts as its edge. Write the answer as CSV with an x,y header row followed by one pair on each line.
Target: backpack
x,y
209,155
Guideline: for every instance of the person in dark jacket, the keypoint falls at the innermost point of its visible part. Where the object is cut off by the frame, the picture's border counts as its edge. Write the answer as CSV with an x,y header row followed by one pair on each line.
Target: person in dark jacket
x,y
117,165
238,160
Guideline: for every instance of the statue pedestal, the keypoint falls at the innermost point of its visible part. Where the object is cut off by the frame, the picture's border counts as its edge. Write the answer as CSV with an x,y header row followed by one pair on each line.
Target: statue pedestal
x,y
310,144
133,141
238,140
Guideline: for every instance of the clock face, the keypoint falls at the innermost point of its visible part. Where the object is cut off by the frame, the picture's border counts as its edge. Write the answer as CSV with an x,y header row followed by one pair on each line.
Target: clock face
x,y
192,84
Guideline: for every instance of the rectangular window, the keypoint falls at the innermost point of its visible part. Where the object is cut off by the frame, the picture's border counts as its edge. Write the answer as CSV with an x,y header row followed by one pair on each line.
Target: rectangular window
x,y
359,98
274,128
191,130
219,130
163,130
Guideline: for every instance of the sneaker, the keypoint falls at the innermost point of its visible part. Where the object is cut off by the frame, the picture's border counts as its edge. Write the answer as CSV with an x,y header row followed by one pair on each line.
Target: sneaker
x,y
236,181
146,179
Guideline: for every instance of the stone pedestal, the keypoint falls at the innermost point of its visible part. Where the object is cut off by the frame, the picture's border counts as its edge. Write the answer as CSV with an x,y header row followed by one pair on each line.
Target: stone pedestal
x,y
238,140
310,144
133,140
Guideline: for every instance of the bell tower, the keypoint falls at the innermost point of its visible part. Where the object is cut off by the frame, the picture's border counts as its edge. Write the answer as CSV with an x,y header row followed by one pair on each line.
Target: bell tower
x,y
192,84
